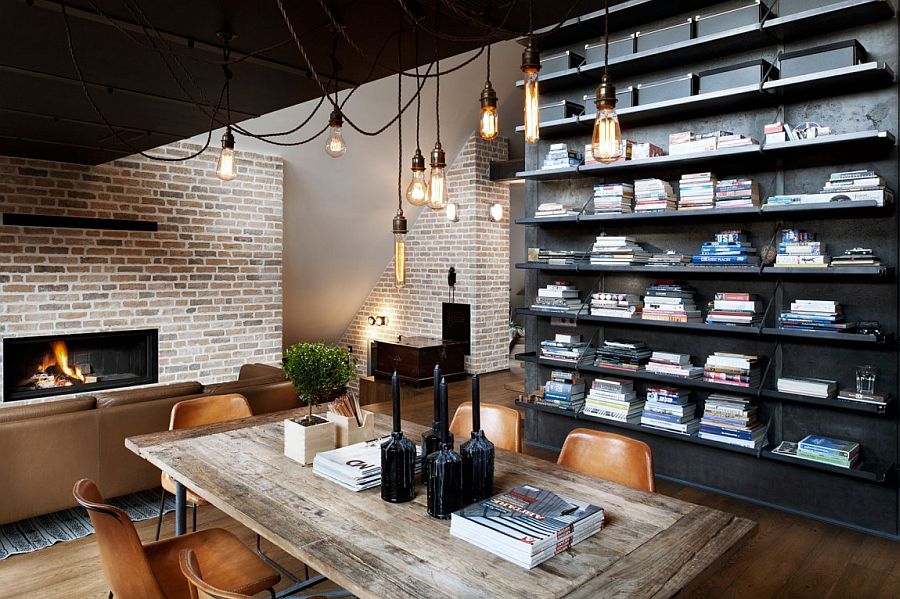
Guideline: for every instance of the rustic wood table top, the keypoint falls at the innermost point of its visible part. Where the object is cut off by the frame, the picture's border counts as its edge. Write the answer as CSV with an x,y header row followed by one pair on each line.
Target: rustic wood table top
x,y
650,546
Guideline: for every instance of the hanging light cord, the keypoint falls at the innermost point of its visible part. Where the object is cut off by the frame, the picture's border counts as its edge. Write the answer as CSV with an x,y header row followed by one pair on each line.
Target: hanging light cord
x,y
399,123
418,95
489,62
437,81
606,37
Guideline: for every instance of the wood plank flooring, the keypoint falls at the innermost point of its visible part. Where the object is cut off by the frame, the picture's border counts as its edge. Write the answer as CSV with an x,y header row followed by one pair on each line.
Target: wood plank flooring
x,y
790,556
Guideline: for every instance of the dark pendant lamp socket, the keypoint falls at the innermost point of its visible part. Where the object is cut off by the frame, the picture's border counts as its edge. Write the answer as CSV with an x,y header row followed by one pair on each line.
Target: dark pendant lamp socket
x,y
531,65
445,470
606,141
335,146
398,457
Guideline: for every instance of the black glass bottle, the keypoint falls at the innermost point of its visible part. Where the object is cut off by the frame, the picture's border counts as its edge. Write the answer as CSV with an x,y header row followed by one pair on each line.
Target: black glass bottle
x,y
431,439
445,467
477,455
398,458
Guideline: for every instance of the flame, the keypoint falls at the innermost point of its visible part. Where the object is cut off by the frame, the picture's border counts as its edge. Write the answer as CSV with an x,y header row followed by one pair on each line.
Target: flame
x,y
61,353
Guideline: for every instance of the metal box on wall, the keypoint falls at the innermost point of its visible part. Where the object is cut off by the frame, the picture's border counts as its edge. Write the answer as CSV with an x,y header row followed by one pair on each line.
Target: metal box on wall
x,y
594,53
560,110
561,62
626,97
667,89
711,24
737,75
821,58
674,34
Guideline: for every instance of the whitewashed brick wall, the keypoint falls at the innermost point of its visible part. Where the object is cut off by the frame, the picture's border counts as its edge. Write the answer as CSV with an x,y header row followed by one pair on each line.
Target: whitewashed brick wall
x,y
210,279
475,246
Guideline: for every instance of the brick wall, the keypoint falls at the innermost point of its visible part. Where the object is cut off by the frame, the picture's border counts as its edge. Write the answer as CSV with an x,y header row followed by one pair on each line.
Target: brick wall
x,y
475,246
210,279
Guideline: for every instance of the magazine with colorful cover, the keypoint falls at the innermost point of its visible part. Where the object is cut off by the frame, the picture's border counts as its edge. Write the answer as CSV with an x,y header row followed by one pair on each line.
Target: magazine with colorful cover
x,y
527,523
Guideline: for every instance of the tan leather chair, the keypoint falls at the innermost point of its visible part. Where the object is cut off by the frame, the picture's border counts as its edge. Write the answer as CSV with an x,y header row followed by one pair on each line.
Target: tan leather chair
x,y
198,412
502,425
612,457
152,571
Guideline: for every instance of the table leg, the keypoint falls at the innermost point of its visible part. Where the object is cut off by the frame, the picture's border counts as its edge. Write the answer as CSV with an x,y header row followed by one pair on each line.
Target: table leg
x,y
180,508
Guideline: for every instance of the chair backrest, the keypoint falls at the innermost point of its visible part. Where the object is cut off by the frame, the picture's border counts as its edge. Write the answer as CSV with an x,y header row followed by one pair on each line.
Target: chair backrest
x,y
209,410
502,425
122,556
200,589
613,457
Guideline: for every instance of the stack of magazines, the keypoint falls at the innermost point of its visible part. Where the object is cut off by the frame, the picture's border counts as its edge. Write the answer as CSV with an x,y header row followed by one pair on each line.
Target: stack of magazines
x,y
355,467
527,525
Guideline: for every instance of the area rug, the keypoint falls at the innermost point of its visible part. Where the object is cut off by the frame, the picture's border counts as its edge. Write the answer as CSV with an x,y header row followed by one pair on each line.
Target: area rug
x,y
36,533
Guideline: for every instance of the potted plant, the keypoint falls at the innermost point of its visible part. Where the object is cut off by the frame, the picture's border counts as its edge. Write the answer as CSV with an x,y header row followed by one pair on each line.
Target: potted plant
x,y
319,372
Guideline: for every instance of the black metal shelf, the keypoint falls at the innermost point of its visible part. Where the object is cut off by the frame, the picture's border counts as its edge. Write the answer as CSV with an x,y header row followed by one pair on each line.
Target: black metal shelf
x,y
860,208
874,272
832,17
742,159
547,220
546,313
555,174
871,471
839,404
661,324
827,336
637,427
674,270
831,149
542,266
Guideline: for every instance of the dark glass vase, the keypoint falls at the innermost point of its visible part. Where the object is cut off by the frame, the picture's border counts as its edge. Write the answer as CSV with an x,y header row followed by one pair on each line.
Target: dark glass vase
x,y
445,471
431,439
398,458
477,455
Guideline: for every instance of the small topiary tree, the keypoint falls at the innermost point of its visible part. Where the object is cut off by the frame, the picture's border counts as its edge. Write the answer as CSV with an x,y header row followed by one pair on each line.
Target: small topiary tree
x,y
317,370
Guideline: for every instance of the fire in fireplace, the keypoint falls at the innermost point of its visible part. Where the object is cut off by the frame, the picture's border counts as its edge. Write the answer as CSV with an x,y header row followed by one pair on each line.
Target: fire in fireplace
x,y
55,365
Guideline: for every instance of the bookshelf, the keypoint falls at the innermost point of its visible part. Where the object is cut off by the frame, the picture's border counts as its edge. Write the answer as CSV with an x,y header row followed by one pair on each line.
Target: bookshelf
x,y
852,101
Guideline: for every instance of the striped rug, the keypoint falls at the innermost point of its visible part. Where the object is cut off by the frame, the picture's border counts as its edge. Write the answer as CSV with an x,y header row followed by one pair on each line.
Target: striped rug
x,y
36,533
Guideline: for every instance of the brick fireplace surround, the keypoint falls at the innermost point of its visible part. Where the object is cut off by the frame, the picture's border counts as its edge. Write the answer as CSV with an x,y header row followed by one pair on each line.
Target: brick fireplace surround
x,y
210,279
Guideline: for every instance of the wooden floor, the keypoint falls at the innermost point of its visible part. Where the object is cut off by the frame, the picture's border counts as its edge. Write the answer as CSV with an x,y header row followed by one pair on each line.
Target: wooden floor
x,y
790,556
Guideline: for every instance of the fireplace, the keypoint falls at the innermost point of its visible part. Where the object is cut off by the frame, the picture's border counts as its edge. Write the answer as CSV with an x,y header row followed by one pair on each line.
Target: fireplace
x,y
65,364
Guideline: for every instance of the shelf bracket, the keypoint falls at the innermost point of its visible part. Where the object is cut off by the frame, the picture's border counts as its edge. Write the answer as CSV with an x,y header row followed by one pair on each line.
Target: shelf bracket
x,y
769,305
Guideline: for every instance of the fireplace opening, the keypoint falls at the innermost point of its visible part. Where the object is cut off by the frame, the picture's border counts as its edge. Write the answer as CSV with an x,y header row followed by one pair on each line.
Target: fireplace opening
x,y
64,364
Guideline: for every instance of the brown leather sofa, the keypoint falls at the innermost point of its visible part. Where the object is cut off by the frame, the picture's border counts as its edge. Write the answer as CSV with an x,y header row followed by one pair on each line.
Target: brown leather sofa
x,y
46,447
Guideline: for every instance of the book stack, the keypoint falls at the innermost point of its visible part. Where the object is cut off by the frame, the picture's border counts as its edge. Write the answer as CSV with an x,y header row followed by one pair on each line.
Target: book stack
x,y
732,369
775,133
846,186
621,354
564,390
737,193
824,450
646,150
799,248
670,409
560,156
878,399
672,364
613,198
526,525
856,257
669,258
560,257
735,140
697,191
560,296
821,388
732,420
815,315
563,348
686,142
737,309
549,209
616,305
365,473
618,251
654,195
730,248
613,399
670,301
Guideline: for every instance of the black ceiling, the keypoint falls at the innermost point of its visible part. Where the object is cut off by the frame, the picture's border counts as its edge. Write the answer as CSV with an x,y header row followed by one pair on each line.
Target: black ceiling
x,y
148,63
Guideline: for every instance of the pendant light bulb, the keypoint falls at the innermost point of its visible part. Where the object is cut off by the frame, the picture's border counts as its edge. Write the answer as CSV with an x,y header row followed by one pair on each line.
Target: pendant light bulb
x,y
488,125
531,64
335,146
417,192
226,167
606,142
437,183
400,249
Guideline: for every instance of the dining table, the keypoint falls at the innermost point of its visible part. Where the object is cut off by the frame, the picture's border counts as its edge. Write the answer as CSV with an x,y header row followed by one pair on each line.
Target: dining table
x,y
651,545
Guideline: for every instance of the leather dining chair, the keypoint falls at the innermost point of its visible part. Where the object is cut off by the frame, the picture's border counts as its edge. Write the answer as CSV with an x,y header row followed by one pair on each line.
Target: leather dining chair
x,y
501,425
197,412
152,571
612,457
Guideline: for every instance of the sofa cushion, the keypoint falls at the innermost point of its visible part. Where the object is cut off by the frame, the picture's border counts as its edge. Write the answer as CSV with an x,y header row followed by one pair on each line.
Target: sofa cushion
x,y
239,385
256,371
46,408
130,396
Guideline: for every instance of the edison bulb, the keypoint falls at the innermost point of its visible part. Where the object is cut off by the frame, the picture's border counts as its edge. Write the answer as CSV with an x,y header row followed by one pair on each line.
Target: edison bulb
x,y
437,188
335,146
532,108
226,167
606,143
489,126
417,192
399,260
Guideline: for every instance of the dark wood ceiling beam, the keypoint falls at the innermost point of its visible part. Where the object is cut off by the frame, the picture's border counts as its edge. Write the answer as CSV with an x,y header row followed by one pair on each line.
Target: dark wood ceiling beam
x,y
107,88
63,119
186,42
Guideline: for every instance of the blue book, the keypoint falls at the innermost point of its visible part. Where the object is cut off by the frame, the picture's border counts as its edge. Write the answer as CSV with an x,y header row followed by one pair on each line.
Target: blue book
x,y
708,259
827,445
724,431
661,416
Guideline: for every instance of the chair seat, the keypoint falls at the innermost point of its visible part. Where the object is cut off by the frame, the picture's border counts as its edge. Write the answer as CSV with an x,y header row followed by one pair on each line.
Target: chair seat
x,y
226,562
168,483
